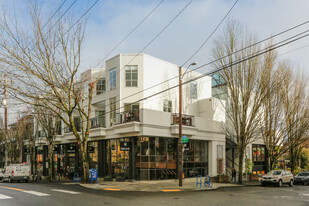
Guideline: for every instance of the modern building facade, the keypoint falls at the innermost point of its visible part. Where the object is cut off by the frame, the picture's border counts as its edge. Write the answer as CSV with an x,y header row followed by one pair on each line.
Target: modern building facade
x,y
132,139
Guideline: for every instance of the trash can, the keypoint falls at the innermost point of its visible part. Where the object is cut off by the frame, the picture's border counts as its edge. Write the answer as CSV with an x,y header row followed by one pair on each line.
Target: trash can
x,y
93,175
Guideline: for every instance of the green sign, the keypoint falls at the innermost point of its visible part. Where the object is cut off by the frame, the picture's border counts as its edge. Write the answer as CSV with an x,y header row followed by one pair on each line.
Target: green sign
x,y
184,139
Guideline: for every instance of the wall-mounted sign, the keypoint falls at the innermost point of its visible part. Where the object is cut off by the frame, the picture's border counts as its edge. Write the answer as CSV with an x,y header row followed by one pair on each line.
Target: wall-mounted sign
x,y
71,149
125,146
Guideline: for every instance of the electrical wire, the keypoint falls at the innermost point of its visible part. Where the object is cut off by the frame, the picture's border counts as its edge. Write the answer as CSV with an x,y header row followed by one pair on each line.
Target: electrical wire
x,y
140,23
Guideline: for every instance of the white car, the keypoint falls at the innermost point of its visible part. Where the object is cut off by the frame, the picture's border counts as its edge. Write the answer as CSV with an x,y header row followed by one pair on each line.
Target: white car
x,y
16,172
277,177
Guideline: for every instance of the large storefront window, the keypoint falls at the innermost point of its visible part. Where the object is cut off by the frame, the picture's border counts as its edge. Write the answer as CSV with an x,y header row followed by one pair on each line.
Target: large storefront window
x,y
195,159
258,159
117,164
156,158
93,155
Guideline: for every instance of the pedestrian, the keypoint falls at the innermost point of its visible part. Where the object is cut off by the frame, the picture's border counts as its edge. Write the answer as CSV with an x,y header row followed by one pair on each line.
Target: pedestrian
x,y
67,173
233,175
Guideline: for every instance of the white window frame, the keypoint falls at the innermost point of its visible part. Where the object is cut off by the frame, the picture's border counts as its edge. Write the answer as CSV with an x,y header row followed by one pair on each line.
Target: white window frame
x,y
131,70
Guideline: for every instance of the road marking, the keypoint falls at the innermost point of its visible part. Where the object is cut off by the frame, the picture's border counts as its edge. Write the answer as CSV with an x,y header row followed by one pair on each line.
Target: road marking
x,y
67,191
112,189
4,197
171,190
37,193
12,188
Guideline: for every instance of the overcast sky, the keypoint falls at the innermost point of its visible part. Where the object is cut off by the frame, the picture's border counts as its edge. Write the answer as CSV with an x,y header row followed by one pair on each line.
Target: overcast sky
x,y
111,20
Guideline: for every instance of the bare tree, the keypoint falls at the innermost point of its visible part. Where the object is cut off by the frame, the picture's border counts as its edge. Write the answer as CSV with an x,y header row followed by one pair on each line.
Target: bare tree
x,y
44,63
245,90
49,123
296,112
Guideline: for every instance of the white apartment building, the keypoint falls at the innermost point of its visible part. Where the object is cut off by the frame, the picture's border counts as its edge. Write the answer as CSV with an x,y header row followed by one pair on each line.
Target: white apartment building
x,y
133,139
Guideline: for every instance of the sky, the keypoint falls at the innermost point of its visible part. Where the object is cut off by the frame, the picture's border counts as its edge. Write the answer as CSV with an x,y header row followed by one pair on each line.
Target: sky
x,y
109,21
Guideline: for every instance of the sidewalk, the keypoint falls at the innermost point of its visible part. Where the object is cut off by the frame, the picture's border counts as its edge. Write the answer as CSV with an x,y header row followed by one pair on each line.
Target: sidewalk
x,y
189,184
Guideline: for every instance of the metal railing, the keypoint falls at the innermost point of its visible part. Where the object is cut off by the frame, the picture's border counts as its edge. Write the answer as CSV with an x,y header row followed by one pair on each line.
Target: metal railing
x,y
97,122
186,120
129,116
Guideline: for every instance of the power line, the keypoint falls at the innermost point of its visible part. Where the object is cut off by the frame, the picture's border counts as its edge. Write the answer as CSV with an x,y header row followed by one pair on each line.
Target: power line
x,y
144,19
211,62
210,34
263,51
153,38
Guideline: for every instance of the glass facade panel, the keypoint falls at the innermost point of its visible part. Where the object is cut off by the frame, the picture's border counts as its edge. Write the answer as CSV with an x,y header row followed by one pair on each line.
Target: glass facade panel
x,y
112,79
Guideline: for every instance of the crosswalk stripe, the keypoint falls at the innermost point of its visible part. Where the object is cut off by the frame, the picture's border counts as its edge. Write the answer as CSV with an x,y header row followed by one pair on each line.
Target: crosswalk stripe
x,y
4,197
37,193
66,191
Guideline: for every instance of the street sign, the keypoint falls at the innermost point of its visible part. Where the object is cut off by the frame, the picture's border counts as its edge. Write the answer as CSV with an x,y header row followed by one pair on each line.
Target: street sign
x,y
184,139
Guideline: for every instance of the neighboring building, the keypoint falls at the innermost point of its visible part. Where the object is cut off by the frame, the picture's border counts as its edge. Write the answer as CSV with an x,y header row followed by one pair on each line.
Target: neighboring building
x,y
139,140
255,151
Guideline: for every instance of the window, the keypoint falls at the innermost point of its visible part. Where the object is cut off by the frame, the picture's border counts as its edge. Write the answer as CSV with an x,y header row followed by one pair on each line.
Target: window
x,y
112,79
112,109
101,86
193,90
167,106
131,75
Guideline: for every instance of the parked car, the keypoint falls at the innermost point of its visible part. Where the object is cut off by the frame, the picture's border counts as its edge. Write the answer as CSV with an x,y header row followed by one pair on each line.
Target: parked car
x,y
277,177
302,178
16,172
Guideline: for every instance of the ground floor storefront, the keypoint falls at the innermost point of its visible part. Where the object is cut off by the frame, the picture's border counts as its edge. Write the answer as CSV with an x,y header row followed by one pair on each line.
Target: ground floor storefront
x,y
130,158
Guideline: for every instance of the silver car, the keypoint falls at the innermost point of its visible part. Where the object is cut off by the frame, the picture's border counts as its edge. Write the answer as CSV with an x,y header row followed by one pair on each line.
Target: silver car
x,y
277,177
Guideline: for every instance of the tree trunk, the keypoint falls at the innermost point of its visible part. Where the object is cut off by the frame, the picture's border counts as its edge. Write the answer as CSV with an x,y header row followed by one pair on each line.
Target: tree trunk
x,y
240,164
83,149
50,161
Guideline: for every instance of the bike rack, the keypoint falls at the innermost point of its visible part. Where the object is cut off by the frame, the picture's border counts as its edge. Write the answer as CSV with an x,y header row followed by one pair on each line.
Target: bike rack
x,y
199,183
207,182
76,177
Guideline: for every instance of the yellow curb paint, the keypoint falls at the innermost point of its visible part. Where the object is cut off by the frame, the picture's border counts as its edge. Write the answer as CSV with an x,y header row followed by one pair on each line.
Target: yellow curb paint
x,y
112,189
12,188
171,190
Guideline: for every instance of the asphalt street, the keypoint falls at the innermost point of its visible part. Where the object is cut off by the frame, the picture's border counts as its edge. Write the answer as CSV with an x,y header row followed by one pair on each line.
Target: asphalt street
x,y
24,194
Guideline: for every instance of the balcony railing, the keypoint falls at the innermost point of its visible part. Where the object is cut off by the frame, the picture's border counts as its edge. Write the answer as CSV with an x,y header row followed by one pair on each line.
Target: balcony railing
x,y
186,120
129,116
97,122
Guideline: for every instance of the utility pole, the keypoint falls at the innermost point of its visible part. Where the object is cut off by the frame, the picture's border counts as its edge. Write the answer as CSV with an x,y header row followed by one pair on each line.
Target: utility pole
x,y
180,166
5,119
180,163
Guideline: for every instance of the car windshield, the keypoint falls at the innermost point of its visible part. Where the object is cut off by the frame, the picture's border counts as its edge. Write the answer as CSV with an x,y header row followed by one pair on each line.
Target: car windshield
x,y
274,172
303,174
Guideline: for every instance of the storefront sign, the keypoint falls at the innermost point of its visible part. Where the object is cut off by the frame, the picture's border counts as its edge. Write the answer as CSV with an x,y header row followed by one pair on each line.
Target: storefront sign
x,y
71,149
125,146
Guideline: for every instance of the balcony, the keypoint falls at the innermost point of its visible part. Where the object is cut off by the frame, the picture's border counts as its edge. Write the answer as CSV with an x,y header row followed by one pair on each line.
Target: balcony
x,y
186,120
70,129
97,122
129,116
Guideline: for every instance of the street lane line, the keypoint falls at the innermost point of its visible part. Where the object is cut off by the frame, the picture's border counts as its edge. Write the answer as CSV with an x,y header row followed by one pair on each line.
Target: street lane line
x,y
171,190
4,197
112,189
12,188
36,193
67,191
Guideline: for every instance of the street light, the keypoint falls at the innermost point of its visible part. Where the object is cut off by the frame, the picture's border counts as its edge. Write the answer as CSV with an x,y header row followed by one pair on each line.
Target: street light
x,y
180,166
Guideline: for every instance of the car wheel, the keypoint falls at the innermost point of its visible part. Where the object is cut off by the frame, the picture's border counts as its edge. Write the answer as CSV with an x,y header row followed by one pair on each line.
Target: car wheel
x,y
280,183
26,181
291,183
263,184
10,181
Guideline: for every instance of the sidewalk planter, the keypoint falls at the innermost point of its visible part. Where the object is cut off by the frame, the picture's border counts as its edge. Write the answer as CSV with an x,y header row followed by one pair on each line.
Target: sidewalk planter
x,y
120,179
254,177
221,179
108,179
